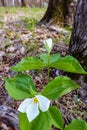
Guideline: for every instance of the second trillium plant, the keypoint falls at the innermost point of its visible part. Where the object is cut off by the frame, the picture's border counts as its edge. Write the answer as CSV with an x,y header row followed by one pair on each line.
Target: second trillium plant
x,y
36,110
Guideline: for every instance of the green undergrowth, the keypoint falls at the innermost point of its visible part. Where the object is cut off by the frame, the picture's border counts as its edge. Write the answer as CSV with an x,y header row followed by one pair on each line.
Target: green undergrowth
x,y
30,16
30,23
32,12
67,38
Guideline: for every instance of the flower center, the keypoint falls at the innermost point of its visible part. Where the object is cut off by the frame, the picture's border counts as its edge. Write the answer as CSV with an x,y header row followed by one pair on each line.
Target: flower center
x,y
36,100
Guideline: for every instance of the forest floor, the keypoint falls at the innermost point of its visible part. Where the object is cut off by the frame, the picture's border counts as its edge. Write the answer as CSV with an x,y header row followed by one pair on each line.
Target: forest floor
x,y
20,37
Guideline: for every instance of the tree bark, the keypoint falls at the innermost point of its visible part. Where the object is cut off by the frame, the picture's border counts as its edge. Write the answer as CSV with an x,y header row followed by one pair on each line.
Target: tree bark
x,y
57,11
2,1
78,42
23,3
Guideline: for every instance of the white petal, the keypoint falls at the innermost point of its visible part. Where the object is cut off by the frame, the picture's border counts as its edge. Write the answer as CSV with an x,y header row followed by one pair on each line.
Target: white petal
x,y
49,42
23,106
32,111
44,103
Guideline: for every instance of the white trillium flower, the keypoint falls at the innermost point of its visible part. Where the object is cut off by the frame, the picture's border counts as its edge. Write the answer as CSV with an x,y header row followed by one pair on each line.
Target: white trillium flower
x,y
31,106
48,44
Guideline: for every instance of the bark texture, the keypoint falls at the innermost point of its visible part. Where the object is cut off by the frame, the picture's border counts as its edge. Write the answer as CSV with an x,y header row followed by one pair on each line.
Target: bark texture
x,y
57,11
78,42
49,13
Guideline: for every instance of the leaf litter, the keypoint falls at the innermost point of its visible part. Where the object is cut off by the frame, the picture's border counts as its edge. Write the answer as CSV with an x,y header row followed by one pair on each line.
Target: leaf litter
x,y
18,41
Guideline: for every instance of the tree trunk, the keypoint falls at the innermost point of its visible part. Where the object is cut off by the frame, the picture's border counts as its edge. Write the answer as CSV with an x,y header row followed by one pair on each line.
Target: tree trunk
x,y
12,3
2,1
23,3
57,12
78,42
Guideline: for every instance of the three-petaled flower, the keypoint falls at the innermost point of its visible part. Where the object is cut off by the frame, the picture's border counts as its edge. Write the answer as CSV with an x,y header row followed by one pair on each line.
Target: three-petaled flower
x,y
31,106
48,44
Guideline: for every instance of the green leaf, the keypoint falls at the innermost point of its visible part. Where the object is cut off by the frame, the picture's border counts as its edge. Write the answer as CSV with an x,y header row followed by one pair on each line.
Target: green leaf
x,y
58,87
77,124
23,122
56,117
53,58
44,57
70,64
20,87
41,122
29,63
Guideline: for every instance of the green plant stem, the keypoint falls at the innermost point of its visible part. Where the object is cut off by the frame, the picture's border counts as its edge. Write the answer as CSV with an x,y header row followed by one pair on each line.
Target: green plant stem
x,y
48,67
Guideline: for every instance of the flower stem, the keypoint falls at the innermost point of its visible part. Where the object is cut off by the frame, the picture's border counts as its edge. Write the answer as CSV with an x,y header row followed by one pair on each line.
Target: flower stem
x,y
48,67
